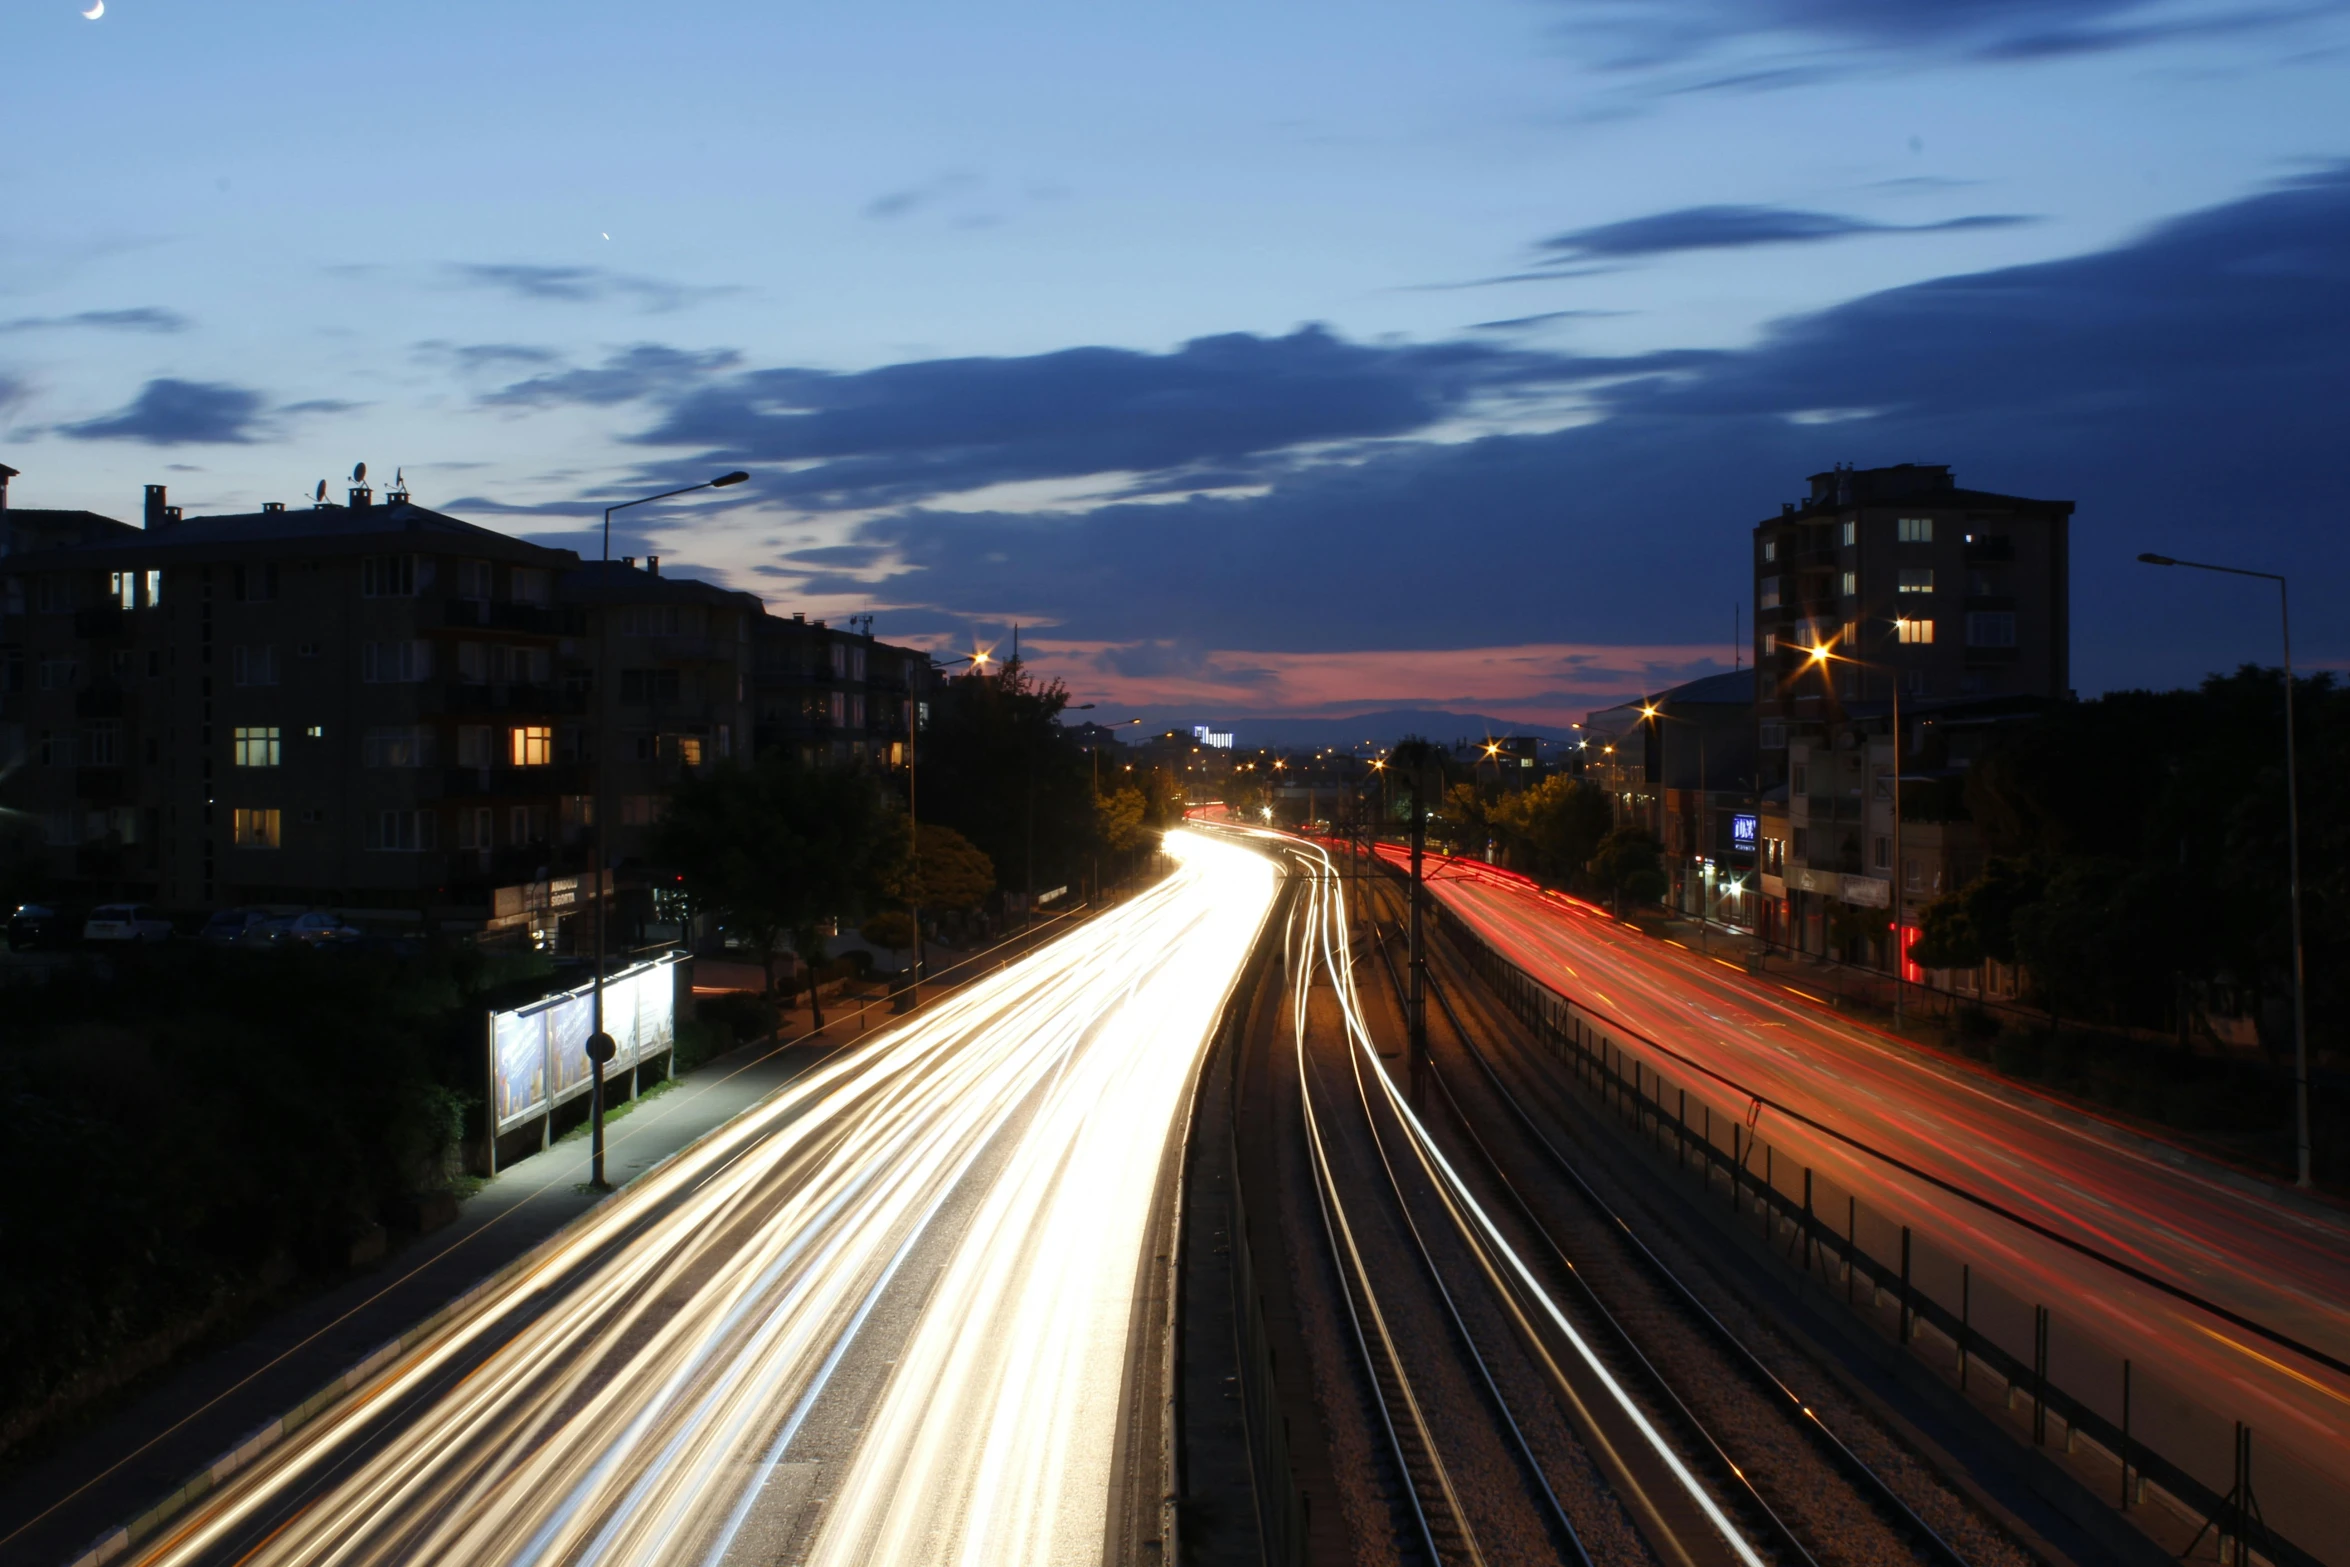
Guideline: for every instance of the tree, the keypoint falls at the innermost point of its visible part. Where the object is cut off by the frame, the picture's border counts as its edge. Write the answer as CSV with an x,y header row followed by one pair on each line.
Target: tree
x,y
1553,829
891,929
998,767
779,847
1118,817
1629,863
949,876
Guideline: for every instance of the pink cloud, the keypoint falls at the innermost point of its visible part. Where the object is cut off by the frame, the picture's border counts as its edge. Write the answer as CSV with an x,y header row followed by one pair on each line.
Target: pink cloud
x,y
1551,683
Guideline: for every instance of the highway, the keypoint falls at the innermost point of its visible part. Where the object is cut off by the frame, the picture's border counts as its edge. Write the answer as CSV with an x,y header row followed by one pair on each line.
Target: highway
x,y
2280,1261
883,1317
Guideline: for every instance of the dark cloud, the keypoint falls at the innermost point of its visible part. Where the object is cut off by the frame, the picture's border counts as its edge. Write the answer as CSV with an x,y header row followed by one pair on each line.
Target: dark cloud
x,y
2185,388
1523,323
646,370
140,318
908,432
1734,228
576,285
899,203
486,358
170,412
1645,33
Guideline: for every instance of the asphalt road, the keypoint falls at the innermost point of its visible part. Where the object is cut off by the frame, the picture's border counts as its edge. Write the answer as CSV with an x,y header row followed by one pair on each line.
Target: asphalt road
x,y
2259,1250
885,1316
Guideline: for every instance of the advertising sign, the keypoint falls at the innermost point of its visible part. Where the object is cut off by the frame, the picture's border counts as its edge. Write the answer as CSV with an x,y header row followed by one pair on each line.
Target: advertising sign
x,y
538,1053
1742,833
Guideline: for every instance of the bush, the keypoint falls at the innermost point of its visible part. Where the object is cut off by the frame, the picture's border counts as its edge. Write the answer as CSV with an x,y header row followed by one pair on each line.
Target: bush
x,y
740,1015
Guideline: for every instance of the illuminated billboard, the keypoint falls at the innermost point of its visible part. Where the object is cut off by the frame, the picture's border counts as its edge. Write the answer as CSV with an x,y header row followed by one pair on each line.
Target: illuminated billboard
x,y
538,1053
1742,833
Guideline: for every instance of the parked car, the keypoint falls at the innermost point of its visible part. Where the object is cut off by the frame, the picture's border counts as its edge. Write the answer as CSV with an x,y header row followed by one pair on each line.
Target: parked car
x,y
223,929
34,925
315,929
112,922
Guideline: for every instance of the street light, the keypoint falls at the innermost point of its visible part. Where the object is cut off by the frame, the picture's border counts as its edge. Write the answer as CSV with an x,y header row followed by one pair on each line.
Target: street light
x,y
601,1046
2303,1175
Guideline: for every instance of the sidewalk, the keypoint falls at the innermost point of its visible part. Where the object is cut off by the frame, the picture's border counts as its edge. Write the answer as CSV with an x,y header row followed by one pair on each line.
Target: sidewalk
x,y
51,1509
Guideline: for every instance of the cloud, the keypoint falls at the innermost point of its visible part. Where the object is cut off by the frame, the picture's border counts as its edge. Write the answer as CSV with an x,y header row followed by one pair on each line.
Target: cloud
x,y
900,203
1524,323
645,370
1735,228
911,432
485,358
1638,34
576,285
2182,386
141,318
170,412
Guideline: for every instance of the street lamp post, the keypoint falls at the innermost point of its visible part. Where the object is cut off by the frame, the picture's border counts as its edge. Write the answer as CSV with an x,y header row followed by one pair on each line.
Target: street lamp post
x,y
2303,1174
601,1046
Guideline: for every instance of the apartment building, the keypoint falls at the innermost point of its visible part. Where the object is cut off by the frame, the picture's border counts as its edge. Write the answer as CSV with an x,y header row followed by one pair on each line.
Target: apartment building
x,y
385,709
1953,604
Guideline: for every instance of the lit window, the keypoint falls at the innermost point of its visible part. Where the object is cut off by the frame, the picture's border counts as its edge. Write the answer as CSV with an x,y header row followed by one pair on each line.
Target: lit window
x,y
1767,595
1851,530
1851,584
254,828
316,731
689,749
1917,579
257,747
1915,530
531,746
154,588
123,587
1770,550
1990,628
1915,630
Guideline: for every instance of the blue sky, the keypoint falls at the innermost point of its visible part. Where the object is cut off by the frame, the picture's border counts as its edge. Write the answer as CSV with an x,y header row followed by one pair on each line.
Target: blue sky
x,y
1256,359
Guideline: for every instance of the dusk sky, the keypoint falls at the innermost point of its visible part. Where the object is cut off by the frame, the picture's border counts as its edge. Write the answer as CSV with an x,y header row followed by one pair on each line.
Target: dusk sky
x,y
1297,359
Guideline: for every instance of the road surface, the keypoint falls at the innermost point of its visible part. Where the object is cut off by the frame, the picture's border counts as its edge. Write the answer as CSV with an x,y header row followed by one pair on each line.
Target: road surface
x,y
2262,1252
883,1317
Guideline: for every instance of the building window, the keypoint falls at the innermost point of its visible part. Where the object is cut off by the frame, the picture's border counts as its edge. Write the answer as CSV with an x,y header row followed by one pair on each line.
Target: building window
x,y
102,744
1852,584
639,810
837,708
473,582
123,588
525,824
1990,628
1774,734
1802,842
1884,853
395,663
473,745
1909,873
473,828
404,832
1917,579
1914,530
407,745
531,746
1767,593
58,671
1802,780
473,664
1851,638
53,595
154,588
689,750
254,827
1770,550
1915,630
1851,530
256,584
1770,643
256,747
255,666
392,576
726,739
530,585
640,686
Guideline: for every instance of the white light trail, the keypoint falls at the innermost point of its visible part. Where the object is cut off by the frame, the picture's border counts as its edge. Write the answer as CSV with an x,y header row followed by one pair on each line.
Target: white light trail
x,y
623,1401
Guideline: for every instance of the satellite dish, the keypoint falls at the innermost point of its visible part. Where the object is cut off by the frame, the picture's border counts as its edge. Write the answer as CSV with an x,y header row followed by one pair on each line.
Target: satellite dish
x,y
322,492
359,474
399,478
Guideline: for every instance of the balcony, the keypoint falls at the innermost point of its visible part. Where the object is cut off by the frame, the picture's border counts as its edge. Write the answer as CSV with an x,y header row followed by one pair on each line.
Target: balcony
x,y
2001,548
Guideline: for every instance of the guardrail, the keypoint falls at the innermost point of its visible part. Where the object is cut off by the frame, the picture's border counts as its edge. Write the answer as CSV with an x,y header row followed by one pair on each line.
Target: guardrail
x,y
2071,1387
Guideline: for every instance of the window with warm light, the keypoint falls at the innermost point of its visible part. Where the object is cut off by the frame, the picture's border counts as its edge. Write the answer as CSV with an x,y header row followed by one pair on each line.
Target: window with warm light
x,y
254,828
1916,579
256,747
1914,630
1851,584
532,745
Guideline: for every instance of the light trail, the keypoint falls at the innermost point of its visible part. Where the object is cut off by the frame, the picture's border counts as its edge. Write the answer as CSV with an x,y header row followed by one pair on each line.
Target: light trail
x,y
2267,1257
628,1399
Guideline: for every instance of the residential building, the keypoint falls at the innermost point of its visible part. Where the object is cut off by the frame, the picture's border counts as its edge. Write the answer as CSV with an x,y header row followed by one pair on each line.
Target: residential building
x,y
1960,600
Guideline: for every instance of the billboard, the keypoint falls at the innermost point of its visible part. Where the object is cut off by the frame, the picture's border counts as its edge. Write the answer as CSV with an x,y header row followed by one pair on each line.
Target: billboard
x,y
1742,833
538,1053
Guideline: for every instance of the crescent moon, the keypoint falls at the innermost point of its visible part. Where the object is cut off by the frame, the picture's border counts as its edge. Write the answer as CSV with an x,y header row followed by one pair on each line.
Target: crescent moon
x,y
96,10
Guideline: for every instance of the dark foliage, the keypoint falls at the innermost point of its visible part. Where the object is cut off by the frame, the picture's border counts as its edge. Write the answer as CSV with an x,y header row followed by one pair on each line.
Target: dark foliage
x,y
998,768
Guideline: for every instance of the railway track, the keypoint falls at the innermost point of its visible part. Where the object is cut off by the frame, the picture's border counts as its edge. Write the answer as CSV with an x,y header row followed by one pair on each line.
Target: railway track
x,y
1510,1433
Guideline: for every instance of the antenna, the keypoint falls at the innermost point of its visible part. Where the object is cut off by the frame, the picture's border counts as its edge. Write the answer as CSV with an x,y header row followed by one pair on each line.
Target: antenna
x,y
1737,630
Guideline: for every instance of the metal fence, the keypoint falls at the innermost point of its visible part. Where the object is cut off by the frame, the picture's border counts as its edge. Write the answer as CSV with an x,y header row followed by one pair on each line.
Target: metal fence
x,y
2061,1385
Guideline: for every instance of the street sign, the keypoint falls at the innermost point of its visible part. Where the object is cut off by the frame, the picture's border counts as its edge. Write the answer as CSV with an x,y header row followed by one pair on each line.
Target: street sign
x,y
601,1047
